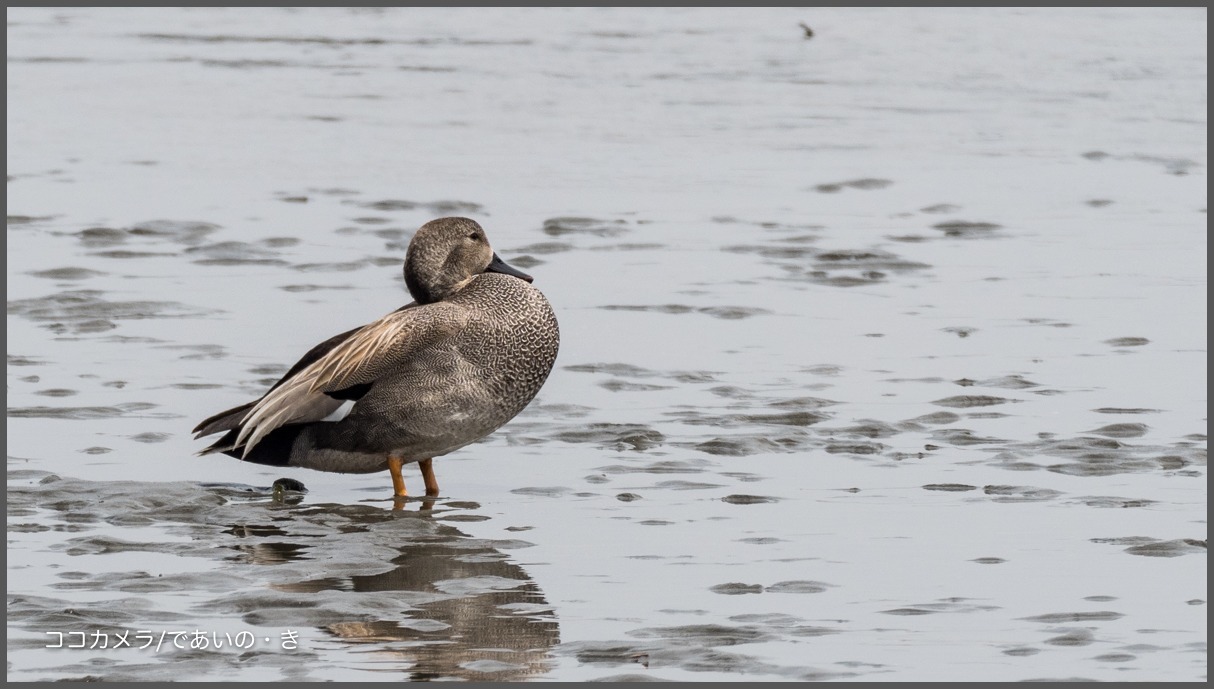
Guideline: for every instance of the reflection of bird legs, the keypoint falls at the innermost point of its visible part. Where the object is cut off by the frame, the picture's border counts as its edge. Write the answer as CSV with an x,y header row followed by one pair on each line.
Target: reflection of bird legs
x,y
398,481
398,504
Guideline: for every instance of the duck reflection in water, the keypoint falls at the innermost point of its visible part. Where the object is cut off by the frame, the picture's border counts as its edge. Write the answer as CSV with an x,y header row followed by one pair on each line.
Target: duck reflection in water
x,y
472,613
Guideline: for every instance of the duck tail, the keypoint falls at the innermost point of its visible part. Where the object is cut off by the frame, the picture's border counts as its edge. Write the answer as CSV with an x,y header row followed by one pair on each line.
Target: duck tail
x,y
223,421
226,444
273,450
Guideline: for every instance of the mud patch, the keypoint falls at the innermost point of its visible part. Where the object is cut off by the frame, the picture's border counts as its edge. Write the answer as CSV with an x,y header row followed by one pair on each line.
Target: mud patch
x,y
559,227
86,311
731,313
965,229
863,184
234,253
445,604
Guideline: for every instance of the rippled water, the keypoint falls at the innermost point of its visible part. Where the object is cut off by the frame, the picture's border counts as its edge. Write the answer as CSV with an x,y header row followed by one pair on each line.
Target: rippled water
x,y
883,358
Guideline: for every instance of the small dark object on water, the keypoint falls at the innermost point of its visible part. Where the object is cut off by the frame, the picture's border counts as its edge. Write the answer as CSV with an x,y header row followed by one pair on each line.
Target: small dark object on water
x,y
809,33
287,491
289,484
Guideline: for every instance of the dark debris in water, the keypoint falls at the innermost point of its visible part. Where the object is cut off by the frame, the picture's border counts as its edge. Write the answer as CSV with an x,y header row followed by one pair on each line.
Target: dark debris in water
x,y
783,418
939,418
234,253
27,219
67,273
710,634
622,370
743,445
739,499
1010,382
615,369
966,229
735,588
855,448
1128,341
960,330
21,360
332,266
1061,617
1172,548
56,392
81,413
864,428
1122,430
313,288
797,586
792,418
558,227
950,487
1099,456
947,605
864,184
778,252
82,310
628,386
968,401
961,437
1171,165
1125,410
526,261
544,248
696,648
857,267
1001,493
868,277
183,232
178,231
723,312
543,491
615,436
435,208
669,466
1072,637
797,428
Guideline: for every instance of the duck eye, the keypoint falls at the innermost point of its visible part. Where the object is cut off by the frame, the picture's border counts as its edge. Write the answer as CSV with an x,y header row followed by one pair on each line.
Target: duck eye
x,y
475,236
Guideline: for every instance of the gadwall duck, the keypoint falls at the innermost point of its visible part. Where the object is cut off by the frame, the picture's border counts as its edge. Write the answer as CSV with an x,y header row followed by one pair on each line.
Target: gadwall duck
x,y
466,356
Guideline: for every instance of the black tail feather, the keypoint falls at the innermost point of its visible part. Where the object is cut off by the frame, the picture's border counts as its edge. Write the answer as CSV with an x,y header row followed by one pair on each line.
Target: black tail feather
x,y
272,450
223,421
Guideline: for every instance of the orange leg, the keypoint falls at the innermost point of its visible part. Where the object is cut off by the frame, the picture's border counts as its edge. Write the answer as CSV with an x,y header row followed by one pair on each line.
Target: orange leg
x,y
427,467
398,481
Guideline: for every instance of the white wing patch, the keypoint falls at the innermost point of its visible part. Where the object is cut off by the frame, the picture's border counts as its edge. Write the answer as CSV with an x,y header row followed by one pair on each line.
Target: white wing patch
x,y
341,412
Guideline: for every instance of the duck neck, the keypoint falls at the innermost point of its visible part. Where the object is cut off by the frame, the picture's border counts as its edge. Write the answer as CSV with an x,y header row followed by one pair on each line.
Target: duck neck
x,y
427,287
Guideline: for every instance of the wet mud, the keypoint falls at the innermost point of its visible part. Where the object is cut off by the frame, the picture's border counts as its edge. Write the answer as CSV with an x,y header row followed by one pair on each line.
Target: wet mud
x,y
407,583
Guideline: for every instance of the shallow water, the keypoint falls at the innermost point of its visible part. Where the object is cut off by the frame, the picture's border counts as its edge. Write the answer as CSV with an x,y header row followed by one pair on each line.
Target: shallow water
x,y
883,356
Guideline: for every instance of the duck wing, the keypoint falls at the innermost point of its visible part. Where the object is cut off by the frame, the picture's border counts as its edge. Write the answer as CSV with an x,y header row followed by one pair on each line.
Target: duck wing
x,y
231,418
348,369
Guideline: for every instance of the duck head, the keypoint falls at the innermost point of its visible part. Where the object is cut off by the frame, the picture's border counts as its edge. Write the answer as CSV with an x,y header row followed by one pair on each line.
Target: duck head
x,y
446,254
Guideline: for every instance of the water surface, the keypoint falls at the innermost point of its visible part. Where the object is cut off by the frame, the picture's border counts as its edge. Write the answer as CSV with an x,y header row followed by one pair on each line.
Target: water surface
x,y
883,356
